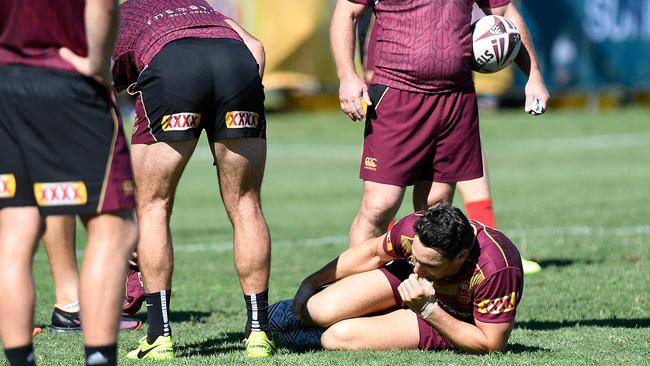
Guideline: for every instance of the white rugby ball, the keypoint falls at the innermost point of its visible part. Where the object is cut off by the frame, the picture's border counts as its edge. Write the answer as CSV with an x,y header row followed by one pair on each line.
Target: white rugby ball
x,y
496,42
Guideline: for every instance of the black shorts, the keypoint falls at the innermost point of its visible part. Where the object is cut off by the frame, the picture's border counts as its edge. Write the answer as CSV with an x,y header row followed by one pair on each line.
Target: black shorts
x,y
196,84
61,144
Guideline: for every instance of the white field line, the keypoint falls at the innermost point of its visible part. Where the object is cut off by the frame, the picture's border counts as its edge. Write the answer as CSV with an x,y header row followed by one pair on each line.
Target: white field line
x,y
342,239
585,143
552,144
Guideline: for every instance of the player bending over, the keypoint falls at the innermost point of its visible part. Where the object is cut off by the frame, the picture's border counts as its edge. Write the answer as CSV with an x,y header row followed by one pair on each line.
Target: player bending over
x,y
435,281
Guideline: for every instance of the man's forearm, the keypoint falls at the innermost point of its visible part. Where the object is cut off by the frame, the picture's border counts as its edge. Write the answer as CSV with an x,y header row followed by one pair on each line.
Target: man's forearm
x,y
464,336
357,259
527,58
101,19
343,38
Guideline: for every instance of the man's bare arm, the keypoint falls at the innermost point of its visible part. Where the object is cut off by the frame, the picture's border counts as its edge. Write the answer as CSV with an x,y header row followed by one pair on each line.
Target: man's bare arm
x,y
352,90
254,45
364,257
101,20
482,338
526,61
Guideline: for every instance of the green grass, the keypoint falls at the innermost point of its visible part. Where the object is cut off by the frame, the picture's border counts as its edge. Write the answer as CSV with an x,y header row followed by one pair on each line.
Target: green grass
x,y
571,188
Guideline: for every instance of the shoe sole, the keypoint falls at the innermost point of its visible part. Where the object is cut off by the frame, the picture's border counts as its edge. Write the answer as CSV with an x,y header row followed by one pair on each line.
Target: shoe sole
x,y
137,325
55,329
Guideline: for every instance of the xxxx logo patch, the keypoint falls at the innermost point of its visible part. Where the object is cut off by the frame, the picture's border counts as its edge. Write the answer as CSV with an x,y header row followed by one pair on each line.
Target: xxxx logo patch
x,y
7,185
60,193
180,121
241,119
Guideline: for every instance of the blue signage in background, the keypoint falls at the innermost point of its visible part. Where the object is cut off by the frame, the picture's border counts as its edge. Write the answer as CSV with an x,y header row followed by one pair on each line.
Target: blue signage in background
x,y
590,45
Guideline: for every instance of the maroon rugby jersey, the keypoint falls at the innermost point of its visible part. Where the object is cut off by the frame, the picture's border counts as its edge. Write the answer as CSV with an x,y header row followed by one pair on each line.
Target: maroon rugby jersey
x,y
32,32
424,45
488,288
148,25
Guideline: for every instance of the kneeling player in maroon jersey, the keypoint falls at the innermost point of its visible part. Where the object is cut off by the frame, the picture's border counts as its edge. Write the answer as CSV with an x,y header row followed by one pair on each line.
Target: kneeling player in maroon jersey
x,y
192,69
435,281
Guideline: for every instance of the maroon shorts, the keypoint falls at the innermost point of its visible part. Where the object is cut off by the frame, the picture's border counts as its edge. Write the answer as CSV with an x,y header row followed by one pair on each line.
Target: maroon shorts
x,y
430,339
415,136
62,147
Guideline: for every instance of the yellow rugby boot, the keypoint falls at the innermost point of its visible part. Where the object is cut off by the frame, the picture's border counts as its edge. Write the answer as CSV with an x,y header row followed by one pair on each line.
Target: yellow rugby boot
x,y
161,349
530,267
259,345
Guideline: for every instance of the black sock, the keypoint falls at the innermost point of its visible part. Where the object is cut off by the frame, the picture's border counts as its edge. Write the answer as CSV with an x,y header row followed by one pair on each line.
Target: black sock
x,y
257,309
104,355
158,315
21,356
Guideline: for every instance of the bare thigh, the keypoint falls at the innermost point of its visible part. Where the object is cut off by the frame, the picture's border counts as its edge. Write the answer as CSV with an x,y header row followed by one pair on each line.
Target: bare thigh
x,y
357,295
395,330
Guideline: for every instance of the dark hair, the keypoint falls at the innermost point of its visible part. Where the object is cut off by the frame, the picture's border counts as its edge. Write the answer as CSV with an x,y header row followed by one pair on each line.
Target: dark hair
x,y
445,229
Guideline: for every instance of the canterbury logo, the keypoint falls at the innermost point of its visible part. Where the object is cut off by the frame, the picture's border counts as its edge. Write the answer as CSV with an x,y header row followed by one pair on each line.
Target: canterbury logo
x,y
180,121
370,163
497,306
61,193
7,185
241,119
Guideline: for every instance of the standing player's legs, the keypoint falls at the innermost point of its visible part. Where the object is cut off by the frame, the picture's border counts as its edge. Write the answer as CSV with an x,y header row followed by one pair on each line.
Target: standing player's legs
x,y
19,232
59,242
240,166
477,198
379,205
84,171
157,169
111,238
428,194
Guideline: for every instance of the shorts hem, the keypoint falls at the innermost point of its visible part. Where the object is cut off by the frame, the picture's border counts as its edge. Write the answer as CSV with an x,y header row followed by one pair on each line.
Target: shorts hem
x,y
384,180
457,178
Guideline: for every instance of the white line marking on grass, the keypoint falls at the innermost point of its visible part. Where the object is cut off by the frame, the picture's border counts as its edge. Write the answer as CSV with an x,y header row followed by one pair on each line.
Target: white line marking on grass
x,y
582,231
226,246
343,239
585,143
329,151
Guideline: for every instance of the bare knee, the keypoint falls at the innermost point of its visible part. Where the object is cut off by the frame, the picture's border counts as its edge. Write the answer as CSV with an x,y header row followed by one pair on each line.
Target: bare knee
x,y
155,204
440,194
378,210
245,209
340,336
322,310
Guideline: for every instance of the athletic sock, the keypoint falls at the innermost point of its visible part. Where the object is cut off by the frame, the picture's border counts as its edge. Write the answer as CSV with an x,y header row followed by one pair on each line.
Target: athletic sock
x,y
21,356
481,211
158,315
69,308
104,355
257,310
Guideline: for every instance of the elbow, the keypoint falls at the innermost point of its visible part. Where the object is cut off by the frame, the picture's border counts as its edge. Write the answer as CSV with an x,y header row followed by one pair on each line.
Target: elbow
x,y
489,348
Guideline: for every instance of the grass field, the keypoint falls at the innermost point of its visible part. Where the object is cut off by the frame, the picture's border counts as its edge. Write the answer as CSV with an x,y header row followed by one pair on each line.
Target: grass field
x,y
572,189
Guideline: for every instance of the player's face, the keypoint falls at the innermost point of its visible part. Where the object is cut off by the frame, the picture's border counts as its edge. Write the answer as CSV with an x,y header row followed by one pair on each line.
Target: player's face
x,y
430,264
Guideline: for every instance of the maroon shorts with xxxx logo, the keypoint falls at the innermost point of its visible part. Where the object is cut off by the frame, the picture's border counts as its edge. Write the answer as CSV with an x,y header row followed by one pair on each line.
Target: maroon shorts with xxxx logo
x,y
61,144
415,136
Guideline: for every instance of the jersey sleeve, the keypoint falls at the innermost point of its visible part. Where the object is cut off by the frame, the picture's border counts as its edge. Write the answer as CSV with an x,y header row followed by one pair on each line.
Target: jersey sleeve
x,y
492,3
361,2
397,242
497,297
